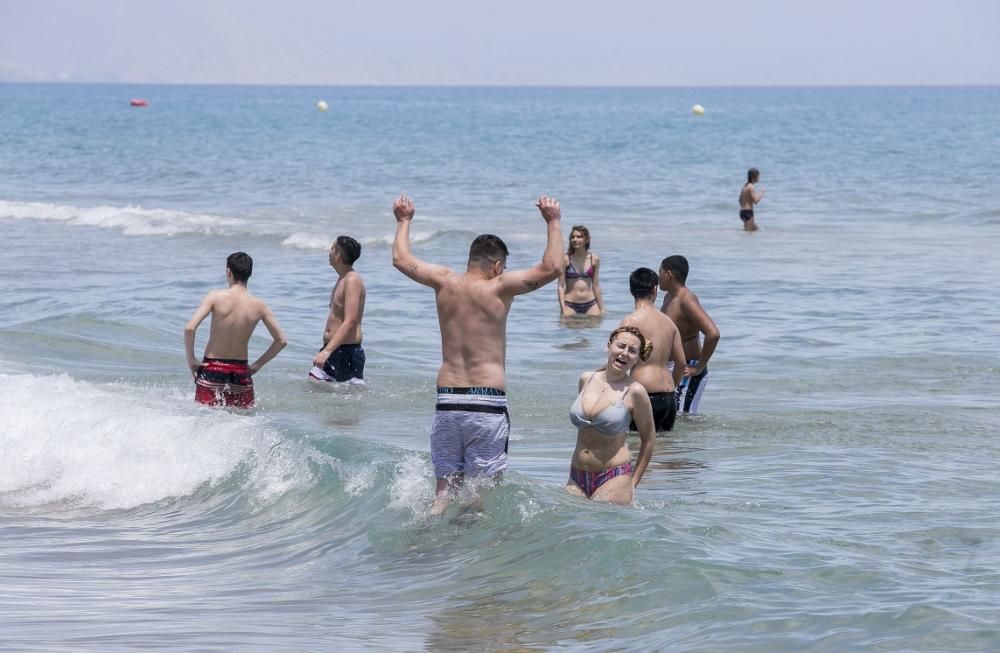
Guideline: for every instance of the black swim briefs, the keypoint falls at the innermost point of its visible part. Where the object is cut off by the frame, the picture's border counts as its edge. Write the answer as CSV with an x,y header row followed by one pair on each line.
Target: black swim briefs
x,y
664,411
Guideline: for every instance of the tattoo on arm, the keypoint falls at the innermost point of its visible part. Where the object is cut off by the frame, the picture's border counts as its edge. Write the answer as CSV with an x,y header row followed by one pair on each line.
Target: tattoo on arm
x,y
412,268
534,285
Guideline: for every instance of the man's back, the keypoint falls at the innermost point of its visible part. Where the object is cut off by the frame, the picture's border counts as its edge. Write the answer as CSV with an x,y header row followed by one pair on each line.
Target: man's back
x,y
472,312
660,331
235,314
746,196
473,307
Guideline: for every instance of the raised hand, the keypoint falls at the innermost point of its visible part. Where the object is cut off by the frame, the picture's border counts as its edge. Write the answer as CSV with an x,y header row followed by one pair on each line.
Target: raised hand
x,y
402,208
549,206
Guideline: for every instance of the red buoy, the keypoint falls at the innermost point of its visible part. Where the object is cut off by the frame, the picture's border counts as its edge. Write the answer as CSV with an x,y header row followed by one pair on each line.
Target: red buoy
x,y
138,102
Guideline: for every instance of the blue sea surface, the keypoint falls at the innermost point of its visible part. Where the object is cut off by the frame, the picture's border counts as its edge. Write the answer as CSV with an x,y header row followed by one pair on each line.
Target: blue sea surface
x,y
838,493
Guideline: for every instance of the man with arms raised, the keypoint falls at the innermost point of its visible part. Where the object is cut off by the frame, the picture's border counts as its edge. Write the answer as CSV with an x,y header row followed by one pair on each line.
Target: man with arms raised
x,y
682,306
342,359
471,424
661,332
223,377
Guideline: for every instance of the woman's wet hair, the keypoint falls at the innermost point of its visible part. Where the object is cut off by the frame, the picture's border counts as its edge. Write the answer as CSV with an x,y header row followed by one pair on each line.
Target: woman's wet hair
x,y
753,174
487,248
645,348
240,265
350,249
583,232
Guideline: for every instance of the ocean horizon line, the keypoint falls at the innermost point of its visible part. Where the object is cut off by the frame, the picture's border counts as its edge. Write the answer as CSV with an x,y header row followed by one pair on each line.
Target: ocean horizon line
x,y
17,82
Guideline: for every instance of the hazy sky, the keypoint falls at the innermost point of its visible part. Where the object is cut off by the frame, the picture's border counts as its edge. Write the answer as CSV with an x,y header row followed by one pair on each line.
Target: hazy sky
x,y
553,42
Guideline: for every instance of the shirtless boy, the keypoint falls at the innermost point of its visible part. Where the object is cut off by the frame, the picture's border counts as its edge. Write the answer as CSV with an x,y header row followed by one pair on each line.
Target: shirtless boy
x,y
682,306
223,376
661,332
471,424
748,197
341,358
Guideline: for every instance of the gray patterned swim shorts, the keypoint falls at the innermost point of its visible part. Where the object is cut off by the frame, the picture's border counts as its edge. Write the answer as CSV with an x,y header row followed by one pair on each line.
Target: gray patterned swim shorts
x,y
470,431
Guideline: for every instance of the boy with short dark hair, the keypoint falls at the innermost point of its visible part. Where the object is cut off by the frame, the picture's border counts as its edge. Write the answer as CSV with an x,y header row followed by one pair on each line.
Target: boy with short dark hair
x,y
223,377
341,358
682,306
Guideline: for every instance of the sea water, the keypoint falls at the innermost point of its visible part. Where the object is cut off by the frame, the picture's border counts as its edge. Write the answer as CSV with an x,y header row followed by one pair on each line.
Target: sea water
x,y
839,491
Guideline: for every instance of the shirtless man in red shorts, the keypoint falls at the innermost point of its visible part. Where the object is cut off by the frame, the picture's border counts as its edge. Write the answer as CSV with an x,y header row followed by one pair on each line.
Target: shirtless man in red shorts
x,y
223,377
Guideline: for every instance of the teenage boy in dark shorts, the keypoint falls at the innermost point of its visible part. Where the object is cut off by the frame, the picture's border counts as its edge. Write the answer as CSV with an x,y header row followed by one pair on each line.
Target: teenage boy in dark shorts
x,y
342,359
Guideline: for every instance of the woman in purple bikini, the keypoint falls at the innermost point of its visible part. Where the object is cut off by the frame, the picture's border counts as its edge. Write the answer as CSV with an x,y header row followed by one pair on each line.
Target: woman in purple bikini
x,y
609,400
579,289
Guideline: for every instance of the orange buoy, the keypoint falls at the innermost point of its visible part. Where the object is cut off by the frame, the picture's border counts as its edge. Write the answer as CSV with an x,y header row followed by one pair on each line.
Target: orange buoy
x,y
138,102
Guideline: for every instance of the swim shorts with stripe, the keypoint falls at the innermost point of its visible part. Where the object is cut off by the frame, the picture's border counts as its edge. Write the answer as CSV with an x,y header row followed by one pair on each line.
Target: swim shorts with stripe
x,y
691,389
470,431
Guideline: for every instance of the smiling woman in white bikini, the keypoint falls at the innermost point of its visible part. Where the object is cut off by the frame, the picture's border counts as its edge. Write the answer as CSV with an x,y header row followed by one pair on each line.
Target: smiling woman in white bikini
x,y
579,288
608,402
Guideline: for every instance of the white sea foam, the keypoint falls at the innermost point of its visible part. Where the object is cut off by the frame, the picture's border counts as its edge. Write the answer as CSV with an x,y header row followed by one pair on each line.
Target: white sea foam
x,y
360,480
138,221
131,220
73,443
314,241
307,241
410,489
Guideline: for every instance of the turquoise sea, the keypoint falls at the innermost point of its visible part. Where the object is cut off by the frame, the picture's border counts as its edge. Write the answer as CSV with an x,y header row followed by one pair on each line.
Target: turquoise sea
x,y
839,493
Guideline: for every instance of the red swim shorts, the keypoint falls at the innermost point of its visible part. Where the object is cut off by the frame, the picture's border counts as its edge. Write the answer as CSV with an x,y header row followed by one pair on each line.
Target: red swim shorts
x,y
224,382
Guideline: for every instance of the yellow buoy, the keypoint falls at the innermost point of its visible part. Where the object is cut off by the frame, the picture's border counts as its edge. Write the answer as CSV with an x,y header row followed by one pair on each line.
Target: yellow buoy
x,y
698,110
322,105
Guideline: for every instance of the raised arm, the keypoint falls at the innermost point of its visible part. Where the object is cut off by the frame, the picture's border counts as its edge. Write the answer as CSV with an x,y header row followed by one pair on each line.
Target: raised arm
x,y
403,259
561,289
757,197
700,318
642,415
519,282
203,311
278,340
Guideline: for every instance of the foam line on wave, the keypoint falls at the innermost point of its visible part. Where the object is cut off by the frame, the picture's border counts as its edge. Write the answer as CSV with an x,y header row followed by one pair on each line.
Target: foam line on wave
x,y
74,445
314,241
130,220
